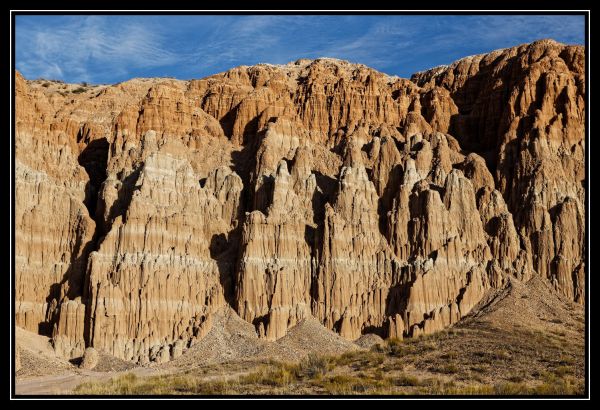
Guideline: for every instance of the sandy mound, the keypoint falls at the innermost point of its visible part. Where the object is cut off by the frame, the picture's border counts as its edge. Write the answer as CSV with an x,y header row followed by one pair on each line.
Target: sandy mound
x,y
108,363
532,305
232,338
369,340
38,357
310,336
33,342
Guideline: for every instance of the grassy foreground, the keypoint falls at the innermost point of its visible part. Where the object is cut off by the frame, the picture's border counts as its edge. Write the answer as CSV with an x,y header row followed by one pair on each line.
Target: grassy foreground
x,y
454,362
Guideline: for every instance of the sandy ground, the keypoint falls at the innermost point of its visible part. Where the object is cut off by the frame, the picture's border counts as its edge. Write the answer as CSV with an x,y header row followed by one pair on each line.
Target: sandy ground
x,y
65,383
231,348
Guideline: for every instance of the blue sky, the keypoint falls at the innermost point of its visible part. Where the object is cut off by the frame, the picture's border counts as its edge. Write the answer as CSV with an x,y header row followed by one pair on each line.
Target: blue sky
x,y
109,49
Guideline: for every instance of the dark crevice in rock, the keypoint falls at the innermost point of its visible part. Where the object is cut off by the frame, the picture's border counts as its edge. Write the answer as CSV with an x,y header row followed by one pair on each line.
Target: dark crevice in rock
x,y
120,206
243,161
224,250
94,158
263,196
227,122
328,189
387,197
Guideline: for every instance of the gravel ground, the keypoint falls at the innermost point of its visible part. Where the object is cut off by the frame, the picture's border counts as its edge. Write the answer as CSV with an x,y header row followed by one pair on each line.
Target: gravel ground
x,y
310,336
232,338
38,357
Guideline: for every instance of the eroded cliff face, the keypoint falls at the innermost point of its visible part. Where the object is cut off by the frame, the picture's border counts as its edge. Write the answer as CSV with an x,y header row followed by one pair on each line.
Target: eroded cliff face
x,y
318,188
524,109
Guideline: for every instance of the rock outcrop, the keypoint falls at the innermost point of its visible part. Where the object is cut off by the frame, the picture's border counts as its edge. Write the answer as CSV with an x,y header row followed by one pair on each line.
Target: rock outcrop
x,y
356,265
523,108
89,359
324,189
158,273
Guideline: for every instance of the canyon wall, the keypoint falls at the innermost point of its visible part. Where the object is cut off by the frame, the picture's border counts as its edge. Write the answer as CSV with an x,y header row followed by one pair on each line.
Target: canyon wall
x,y
317,188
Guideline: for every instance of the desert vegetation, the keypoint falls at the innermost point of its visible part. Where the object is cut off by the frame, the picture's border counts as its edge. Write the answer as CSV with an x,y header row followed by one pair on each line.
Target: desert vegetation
x,y
429,365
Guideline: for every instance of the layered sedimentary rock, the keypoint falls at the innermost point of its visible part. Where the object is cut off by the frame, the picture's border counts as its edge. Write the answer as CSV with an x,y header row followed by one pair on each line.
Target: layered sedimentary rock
x,y
356,266
53,226
155,277
317,188
524,109
276,261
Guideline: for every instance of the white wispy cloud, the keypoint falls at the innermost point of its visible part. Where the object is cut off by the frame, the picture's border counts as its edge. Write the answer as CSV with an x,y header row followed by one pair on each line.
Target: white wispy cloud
x,y
83,48
113,48
233,39
365,47
382,42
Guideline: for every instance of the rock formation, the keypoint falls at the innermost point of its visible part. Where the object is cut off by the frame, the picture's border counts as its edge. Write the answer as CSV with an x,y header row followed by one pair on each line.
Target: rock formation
x,y
318,189
89,359
524,109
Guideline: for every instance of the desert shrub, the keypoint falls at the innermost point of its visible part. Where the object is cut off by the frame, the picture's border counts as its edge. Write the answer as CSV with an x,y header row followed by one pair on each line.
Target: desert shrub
x,y
500,355
313,366
449,368
358,359
272,377
477,378
406,380
479,368
451,355
552,385
511,389
559,386
117,385
346,385
79,90
476,390
565,360
397,348
429,345
347,358
371,359
274,374
562,371
168,384
394,365
129,384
